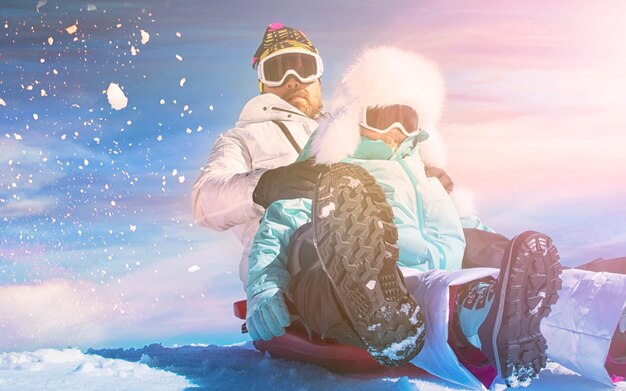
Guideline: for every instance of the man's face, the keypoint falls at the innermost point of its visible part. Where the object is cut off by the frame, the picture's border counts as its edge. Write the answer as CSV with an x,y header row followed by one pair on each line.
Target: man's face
x,y
306,97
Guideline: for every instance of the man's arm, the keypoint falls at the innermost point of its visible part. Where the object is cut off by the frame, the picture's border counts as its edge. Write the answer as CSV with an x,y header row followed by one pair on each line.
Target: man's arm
x,y
222,196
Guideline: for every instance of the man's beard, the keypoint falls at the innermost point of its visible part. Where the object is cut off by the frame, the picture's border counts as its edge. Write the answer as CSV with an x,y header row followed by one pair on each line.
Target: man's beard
x,y
312,107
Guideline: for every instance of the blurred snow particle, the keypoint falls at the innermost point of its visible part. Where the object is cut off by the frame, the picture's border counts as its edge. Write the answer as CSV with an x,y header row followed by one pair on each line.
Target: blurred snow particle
x,y
179,58
42,60
181,179
50,41
133,228
188,131
18,137
162,101
174,172
71,29
133,51
182,81
113,203
97,140
2,102
129,122
145,37
211,107
178,34
116,97
63,136
193,269
55,71
41,3
35,116
118,25
91,7
159,138
86,162
43,92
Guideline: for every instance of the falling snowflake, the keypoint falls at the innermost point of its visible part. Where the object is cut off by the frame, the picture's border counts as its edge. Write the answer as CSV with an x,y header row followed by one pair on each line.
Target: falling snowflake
x,y
116,97
182,81
145,37
193,269
71,29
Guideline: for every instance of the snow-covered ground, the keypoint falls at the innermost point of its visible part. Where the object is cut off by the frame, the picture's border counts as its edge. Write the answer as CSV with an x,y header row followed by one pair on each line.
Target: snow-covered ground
x,y
236,367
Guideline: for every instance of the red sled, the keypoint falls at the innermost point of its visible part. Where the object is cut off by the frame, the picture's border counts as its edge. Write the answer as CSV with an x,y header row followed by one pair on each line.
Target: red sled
x,y
336,357
296,345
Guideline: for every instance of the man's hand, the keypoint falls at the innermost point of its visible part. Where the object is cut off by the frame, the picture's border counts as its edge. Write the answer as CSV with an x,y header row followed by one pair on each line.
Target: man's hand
x,y
297,180
443,177
267,315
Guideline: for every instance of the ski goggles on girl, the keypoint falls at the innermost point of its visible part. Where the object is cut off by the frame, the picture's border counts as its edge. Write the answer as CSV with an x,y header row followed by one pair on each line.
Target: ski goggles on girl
x,y
274,69
381,119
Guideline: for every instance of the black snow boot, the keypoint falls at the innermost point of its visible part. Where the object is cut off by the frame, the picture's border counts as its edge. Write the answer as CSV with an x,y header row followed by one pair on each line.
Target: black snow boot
x,y
525,290
356,240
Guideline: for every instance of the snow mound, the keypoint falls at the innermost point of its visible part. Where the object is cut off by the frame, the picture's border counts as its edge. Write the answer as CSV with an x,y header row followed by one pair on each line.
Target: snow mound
x,y
211,367
70,369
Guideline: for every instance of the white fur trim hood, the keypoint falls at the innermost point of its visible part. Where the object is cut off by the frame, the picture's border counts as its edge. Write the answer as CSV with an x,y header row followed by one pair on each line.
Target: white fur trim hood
x,y
382,76
387,75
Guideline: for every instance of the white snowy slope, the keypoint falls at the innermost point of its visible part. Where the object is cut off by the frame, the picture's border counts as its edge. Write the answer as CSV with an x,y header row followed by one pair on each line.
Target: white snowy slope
x,y
70,369
237,367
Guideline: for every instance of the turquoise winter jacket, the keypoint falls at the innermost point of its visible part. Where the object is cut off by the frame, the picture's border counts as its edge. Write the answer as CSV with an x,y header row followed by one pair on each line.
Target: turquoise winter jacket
x,y
430,231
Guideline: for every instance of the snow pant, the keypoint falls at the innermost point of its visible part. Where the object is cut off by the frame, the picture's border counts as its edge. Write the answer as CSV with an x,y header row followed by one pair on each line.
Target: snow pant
x,y
485,249
311,293
578,330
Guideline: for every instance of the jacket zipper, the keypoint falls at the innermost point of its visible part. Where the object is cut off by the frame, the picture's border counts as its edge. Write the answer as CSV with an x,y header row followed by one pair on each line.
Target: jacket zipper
x,y
420,216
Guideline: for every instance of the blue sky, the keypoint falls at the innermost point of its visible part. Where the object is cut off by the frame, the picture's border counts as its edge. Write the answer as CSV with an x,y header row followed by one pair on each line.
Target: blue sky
x,y
97,239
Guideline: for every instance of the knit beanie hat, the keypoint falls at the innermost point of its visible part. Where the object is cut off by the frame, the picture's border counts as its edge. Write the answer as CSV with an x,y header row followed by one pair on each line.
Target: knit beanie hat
x,y
278,36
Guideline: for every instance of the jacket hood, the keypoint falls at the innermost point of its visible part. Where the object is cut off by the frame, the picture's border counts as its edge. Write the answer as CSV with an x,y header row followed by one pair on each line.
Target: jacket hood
x,y
269,107
382,76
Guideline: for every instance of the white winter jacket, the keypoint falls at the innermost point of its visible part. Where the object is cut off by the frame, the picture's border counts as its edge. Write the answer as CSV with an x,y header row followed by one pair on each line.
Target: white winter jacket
x,y
222,196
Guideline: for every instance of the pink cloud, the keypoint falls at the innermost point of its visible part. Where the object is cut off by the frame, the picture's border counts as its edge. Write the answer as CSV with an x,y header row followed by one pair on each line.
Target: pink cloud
x,y
162,299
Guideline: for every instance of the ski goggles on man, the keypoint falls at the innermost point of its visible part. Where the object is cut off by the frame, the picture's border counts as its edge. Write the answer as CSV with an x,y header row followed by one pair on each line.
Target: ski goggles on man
x,y
274,69
381,119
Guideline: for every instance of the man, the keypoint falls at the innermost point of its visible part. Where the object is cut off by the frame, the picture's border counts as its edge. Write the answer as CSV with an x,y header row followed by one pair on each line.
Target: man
x,y
250,165
271,129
